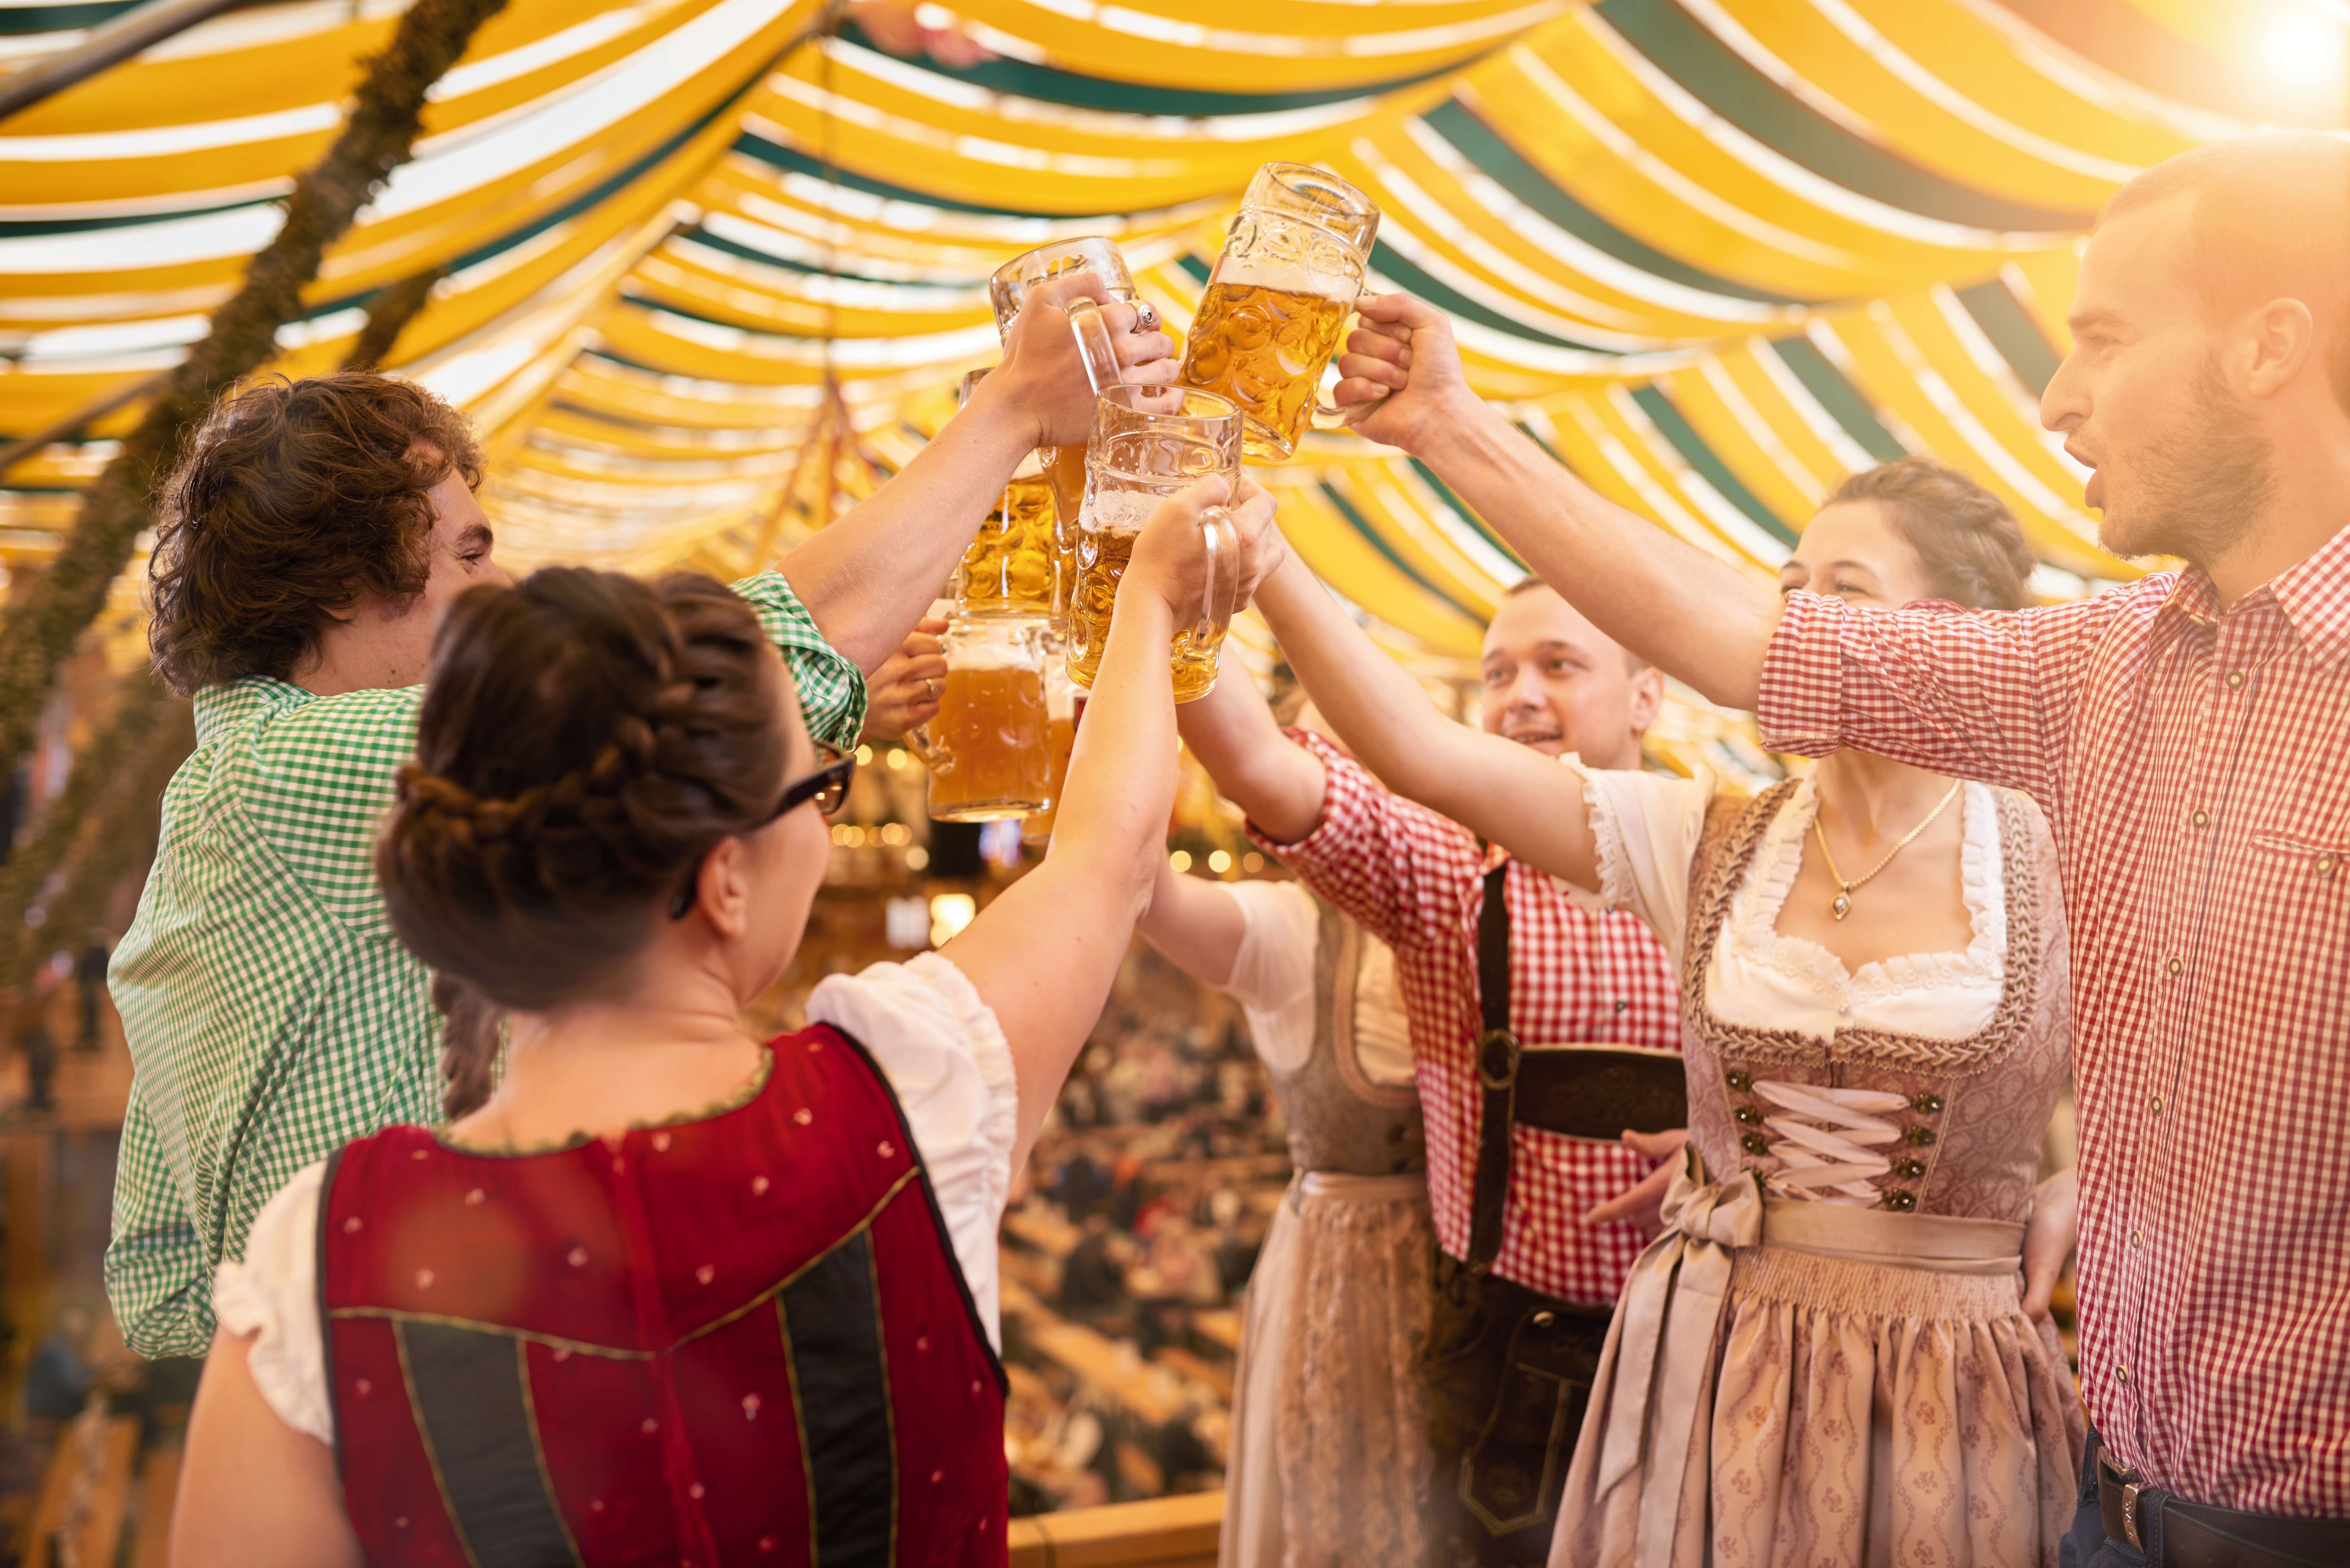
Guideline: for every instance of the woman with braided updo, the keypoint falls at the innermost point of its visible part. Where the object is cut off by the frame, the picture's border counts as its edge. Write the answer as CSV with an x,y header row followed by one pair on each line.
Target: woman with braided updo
x,y
658,1292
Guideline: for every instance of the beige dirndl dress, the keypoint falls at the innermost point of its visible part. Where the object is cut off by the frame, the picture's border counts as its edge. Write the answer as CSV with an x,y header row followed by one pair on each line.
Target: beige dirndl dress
x,y
1329,1462
1823,1360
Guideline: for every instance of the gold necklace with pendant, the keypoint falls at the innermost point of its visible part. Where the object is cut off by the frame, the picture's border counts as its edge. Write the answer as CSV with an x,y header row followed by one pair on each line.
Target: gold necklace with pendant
x,y
1840,905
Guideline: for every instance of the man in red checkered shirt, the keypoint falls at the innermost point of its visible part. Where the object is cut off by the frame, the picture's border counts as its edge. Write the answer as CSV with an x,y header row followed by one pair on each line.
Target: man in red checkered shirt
x,y
1519,1340
2188,737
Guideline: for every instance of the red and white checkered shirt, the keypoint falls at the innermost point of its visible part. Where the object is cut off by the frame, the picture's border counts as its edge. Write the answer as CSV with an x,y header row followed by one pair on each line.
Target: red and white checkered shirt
x,y
2196,768
1579,974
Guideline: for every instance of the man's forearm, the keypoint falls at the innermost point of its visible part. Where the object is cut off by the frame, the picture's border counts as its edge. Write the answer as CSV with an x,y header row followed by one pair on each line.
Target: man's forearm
x,y
869,577
1691,616
1233,736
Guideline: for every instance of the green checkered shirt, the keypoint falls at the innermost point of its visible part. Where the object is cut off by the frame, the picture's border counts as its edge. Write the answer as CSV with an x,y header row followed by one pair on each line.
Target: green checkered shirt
x,y
273,1016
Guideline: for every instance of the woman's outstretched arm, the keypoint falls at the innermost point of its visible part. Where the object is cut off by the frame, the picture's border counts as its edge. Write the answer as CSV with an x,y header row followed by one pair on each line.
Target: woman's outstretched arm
x,y
1044,954
1514,796
1198,925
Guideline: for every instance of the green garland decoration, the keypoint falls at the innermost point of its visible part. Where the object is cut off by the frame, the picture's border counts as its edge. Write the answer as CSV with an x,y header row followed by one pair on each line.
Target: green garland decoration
x,y
388,315
41,628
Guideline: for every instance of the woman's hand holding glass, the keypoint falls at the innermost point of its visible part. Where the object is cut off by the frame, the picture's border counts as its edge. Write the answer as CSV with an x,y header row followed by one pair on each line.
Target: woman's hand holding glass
x,y
1170,564
903,694
1044,371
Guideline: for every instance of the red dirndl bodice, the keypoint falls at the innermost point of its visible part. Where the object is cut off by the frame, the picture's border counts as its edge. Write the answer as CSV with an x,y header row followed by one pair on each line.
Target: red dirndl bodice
x,y
739,1340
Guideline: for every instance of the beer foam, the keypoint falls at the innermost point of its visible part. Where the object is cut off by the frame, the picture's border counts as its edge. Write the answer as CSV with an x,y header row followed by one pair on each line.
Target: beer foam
x,y
1118,510
990,656
1287,279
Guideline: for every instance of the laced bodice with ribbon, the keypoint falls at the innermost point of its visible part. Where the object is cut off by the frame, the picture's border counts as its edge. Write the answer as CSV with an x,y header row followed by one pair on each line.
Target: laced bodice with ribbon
x,y
1829,1141
1869,1118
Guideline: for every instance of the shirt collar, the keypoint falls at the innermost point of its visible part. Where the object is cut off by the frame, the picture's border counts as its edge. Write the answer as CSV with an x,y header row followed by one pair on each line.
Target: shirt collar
x,y
2315,595
222,708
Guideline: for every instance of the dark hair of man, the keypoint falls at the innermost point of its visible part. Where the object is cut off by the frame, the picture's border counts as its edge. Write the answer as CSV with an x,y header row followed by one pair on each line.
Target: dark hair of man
x,y
1968,544
2271,219
585,740
293,499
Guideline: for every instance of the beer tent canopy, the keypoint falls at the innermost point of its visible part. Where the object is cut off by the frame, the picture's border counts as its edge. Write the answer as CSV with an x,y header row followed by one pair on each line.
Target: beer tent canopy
x,y
712,271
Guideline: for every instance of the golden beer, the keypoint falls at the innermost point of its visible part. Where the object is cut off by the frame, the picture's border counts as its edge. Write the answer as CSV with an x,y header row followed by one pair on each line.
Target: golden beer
x,y
1065,471
987,748
1262,340
1105,545
1139,455
1061,739
1009,568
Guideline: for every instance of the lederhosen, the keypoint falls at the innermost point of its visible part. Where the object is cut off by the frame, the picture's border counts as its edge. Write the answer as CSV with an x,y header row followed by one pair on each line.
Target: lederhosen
x,y
1510,1368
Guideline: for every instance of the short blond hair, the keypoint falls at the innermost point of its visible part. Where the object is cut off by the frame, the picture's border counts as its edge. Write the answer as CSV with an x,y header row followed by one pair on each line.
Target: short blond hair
x,y
1633,662
2271,218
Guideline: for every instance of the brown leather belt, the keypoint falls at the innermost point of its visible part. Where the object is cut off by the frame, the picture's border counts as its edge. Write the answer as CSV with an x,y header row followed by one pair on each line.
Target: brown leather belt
x,y
1582,1091
2194,1535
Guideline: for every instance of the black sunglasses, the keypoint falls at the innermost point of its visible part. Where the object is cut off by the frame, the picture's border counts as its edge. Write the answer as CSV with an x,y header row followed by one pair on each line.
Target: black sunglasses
x,y
827,787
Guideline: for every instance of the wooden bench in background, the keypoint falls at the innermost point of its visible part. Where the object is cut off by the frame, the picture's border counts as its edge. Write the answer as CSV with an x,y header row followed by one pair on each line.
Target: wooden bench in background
x,y
86,1495
1164,1533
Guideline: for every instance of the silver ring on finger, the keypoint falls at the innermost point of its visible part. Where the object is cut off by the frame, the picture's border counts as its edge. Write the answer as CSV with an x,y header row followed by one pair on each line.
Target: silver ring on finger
x,y
1146,316
932,688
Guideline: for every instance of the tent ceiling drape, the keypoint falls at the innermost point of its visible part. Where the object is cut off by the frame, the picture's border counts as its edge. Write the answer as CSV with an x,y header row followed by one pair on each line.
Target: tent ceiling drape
x,y
712,271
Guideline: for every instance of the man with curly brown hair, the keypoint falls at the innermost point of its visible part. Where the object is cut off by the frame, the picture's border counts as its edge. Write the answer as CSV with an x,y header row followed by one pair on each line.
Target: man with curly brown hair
x,y
309,547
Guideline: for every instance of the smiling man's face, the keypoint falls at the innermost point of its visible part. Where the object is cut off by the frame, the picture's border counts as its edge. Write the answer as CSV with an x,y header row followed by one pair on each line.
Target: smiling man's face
x,y
1553,681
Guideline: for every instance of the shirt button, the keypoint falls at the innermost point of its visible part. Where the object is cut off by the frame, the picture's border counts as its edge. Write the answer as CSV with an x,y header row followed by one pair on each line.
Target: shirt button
x,y
2155,1105
2235,680
2121,1374
2322,866
2175,967
2138,1239
2201,819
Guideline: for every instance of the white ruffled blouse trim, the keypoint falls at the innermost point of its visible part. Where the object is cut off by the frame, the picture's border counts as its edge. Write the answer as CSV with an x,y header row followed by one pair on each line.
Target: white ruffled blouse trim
x,y
1754,909
945,1054
1616,885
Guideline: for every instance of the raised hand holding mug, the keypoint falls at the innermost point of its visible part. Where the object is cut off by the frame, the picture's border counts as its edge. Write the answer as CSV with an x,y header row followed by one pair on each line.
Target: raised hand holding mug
x,y
1148,444
1064,466
1277,305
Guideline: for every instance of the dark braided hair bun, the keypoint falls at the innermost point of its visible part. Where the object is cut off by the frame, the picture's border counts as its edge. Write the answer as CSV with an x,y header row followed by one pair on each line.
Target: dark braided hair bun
x,y
1967,542
586,738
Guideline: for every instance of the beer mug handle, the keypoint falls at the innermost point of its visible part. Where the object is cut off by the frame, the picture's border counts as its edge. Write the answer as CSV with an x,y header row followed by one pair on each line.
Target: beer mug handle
x,y
1221,584
1093,345
918,741
1327,417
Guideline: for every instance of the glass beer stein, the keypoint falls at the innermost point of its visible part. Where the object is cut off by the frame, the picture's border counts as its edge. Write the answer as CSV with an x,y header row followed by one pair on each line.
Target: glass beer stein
x,y
1277,302
1147,443
988,748
1009,569
1009,289
1064,466
1063,702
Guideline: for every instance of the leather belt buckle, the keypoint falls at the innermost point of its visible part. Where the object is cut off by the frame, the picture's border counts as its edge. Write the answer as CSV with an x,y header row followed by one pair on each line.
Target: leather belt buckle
x,y
2131,1486
1497,1059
